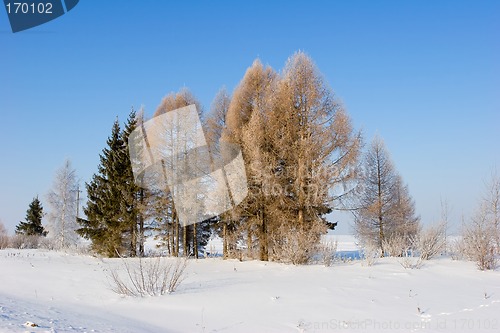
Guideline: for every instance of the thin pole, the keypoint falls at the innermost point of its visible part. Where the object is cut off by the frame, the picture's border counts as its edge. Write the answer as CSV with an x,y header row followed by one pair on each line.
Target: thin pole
x,y
78,202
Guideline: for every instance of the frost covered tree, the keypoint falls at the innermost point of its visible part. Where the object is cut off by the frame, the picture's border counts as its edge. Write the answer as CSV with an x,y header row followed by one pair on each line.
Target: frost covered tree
x,y
215,121
33,224
387,212
4,237
215,125
192,236
480,236
491,201
62,200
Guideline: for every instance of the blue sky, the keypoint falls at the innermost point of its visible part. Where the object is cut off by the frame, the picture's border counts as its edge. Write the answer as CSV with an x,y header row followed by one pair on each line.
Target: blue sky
x,y
423,75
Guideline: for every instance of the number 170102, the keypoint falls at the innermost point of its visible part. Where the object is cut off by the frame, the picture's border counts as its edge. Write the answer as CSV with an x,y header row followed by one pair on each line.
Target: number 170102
x,y
29,8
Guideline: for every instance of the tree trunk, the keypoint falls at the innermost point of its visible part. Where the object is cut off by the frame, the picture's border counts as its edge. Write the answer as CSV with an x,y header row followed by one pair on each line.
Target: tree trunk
x,y
195,241
141,235
185,246
249,242
169,238
380,217
264,255
224,240
176,233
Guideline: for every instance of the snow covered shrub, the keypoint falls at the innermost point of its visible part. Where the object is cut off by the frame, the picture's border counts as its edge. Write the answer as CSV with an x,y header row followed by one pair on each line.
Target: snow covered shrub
x,y
408,261
395,246
327,252
4,237
4,241
456,249
371,254
481,236
47,243
20,241
294,244
431,241
478,241
151,276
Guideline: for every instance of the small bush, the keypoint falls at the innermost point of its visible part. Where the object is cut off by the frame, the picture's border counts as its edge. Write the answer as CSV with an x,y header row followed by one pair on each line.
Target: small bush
x,y
371,254
4,237
295,245
395,246
457,250
20,241
327,252
431,242
47,243
4,241
409,262
152,276
478,241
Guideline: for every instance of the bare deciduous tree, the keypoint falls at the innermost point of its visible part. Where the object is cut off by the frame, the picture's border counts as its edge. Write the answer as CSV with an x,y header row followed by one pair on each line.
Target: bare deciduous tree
x,y
387,212
176,138
481,235
246,126
300,151
479,238
491,201
4,237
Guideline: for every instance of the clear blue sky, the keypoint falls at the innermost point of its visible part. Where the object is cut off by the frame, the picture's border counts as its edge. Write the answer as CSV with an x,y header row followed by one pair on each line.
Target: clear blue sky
x,y
424,75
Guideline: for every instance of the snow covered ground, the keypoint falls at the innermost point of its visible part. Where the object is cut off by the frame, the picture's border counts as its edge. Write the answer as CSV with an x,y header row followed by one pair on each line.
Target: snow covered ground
x,y
63,292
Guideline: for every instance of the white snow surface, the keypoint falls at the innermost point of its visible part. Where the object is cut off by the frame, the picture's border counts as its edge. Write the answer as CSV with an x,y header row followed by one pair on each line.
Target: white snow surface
x,y
64,292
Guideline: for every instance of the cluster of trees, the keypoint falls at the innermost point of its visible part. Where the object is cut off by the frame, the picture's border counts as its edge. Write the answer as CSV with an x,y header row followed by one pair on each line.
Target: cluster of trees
x,y
28,232
303,160
301,155
63,205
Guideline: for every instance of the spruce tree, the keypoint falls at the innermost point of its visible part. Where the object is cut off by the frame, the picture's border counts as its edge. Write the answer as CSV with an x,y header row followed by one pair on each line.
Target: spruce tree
x,y
33,224
116,204
104,225
134,197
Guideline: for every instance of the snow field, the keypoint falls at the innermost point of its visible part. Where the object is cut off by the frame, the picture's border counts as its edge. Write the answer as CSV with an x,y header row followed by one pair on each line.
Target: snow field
x,y
63,292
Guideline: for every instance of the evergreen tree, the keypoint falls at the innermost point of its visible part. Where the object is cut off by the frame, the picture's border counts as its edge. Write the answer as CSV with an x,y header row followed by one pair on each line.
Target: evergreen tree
x,y
104,225
116,204
33,223
134,197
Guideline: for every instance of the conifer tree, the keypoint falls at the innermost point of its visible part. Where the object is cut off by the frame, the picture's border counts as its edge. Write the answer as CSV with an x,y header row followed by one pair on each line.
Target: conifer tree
x,y
104,225
134,197
33,224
